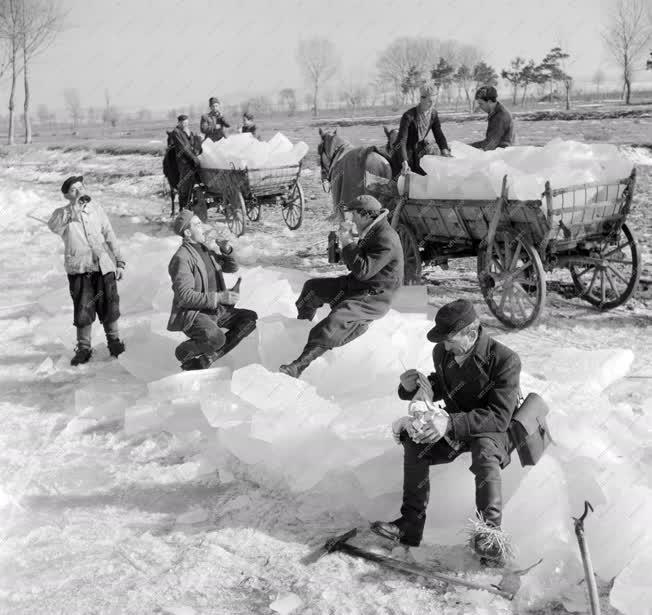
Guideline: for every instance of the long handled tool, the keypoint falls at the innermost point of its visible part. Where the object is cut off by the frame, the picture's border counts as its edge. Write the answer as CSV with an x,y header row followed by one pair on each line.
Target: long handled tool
x,y
586,560
506,589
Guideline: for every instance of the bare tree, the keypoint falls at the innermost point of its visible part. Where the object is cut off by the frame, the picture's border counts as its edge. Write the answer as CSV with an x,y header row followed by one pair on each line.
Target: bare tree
x,y
41,21
627,36
318,61
287,98
73,105
598,79
354,91
10,32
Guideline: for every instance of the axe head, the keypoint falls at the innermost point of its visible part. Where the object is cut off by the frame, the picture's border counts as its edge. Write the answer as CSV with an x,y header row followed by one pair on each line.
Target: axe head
x,y
332,544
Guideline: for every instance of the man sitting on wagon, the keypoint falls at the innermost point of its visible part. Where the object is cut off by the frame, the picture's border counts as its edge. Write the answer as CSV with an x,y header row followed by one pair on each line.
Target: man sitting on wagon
x,y
413,131
500,127
212,124
365,294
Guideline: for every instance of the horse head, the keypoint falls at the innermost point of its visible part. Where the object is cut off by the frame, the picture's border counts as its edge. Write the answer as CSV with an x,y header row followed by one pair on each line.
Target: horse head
x,y
392,140
330,146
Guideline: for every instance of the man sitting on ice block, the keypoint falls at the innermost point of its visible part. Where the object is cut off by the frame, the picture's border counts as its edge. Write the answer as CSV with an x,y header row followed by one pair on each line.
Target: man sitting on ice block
x,y
477,378
365,294
500,126
202,305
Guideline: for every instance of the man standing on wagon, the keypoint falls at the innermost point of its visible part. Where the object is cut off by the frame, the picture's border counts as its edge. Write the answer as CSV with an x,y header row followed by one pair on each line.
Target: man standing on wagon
x,y
365,294
212,124
413,131
500,126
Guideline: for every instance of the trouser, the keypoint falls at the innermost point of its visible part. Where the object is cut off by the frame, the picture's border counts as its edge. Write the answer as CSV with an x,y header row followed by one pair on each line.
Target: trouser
x,y
351,314
487,459
207,338
186,183
94,294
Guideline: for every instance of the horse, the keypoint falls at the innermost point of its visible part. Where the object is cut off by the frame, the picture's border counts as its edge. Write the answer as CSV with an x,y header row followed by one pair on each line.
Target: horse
x,y
343,166
393,150
170,166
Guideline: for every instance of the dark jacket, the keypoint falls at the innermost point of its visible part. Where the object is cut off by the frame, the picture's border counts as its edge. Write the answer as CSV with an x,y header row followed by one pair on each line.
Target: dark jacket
x,y
500,130
183,150
213,125
189,283
376,261
408,137
251,128
481,394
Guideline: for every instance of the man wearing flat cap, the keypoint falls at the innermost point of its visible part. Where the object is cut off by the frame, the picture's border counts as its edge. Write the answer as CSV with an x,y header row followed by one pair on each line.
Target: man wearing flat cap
x,y
477,379
212,124
412,139
182,140
202,305
93,262
500,125
375,264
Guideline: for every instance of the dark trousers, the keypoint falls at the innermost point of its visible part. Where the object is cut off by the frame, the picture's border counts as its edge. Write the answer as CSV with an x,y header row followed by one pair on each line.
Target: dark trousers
x,y
487,459
94,294
207,338
186,182
352,311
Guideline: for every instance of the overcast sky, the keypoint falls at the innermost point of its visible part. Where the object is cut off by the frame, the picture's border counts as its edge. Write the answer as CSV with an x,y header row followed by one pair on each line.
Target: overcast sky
x,y
168,53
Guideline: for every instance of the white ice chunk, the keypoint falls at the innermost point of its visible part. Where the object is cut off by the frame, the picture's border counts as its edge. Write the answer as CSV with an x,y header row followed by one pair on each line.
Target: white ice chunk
x,y
632,590
286,604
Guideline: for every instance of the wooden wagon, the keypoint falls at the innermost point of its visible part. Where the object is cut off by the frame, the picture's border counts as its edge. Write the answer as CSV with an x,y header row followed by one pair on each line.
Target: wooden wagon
x,y
240,193
516,242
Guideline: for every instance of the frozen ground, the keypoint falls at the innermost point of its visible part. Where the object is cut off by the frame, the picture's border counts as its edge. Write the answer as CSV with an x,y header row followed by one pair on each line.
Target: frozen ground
x,y
128,488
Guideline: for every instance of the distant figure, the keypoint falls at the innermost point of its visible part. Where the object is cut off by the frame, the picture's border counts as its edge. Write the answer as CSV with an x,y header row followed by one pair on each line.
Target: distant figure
x,y
413,131
365,294
202,305
212,124
182,140
93,262
500,127
248,124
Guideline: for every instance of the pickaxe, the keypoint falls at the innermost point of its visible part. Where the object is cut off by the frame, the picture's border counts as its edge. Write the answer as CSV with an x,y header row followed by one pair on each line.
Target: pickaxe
x,y
507,588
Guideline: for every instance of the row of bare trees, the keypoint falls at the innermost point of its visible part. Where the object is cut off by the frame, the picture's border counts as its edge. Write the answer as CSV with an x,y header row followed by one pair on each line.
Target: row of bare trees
x,y
27,28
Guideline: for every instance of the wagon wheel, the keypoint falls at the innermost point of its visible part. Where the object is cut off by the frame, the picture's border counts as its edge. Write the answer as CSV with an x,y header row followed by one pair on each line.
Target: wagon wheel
x,y
235,212
292,207
611,282
253,209
512,279
198,203
411,255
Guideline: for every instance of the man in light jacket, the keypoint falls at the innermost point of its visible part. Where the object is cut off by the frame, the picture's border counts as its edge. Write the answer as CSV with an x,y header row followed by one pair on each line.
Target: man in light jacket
x,y
93,263
202,304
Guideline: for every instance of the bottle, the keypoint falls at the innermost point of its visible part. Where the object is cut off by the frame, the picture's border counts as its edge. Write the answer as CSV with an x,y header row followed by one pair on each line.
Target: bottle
x,y
236,286
333,252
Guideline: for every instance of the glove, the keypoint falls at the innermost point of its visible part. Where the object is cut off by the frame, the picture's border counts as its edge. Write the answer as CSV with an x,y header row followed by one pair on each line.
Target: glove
x,y
227,297
400,425
119,273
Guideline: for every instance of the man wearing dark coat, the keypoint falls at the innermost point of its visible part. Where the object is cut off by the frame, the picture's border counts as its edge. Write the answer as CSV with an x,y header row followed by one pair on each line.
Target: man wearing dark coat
x,y
181,140
500,125
212,124
413,131
202,305
477,378
365,294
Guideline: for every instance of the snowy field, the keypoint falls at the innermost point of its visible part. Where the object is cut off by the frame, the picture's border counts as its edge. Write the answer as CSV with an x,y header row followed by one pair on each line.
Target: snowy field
x,y
128,487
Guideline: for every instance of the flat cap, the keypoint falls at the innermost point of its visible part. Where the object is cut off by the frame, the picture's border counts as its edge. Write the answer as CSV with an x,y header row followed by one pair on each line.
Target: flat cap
x,y
451,319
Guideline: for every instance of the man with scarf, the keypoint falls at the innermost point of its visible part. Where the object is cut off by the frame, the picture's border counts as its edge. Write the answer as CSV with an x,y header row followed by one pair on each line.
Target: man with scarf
x,y
413,131
365,294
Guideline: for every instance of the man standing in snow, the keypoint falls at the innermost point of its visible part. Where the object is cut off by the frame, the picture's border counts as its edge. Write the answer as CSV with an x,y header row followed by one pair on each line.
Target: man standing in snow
x,y
500,127
365,294
186,158
93,263
202,305
478,380
212,124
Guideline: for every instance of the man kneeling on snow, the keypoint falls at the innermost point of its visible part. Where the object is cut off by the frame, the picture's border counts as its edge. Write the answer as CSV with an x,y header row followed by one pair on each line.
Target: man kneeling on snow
x,y
202,304
365,294
478,380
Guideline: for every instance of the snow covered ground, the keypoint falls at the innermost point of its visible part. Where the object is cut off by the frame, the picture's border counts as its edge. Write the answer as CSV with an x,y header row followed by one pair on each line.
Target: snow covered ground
x,y
128,487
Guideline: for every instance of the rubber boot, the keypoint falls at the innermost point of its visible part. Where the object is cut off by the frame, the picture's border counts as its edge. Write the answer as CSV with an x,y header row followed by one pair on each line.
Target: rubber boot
x,y
309,354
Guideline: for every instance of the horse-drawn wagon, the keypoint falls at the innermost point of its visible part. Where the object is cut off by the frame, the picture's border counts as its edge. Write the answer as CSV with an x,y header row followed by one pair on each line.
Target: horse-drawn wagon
x,y
240,194
516,242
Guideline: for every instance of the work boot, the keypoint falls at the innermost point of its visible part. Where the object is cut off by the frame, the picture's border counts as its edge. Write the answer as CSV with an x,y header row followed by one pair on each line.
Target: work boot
x,y
82,355
116,347
296,368
490,543
393,530
201,361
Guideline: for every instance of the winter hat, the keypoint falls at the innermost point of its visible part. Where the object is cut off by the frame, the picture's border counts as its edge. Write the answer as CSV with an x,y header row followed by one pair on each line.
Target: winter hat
x,y
486,92
213,99
451,319
182,221
426,90
182,117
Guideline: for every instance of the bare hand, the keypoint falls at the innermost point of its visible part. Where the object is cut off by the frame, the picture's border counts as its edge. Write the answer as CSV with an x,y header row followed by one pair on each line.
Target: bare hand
x,y
410,379
433,430
405,168
119,273
228,297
